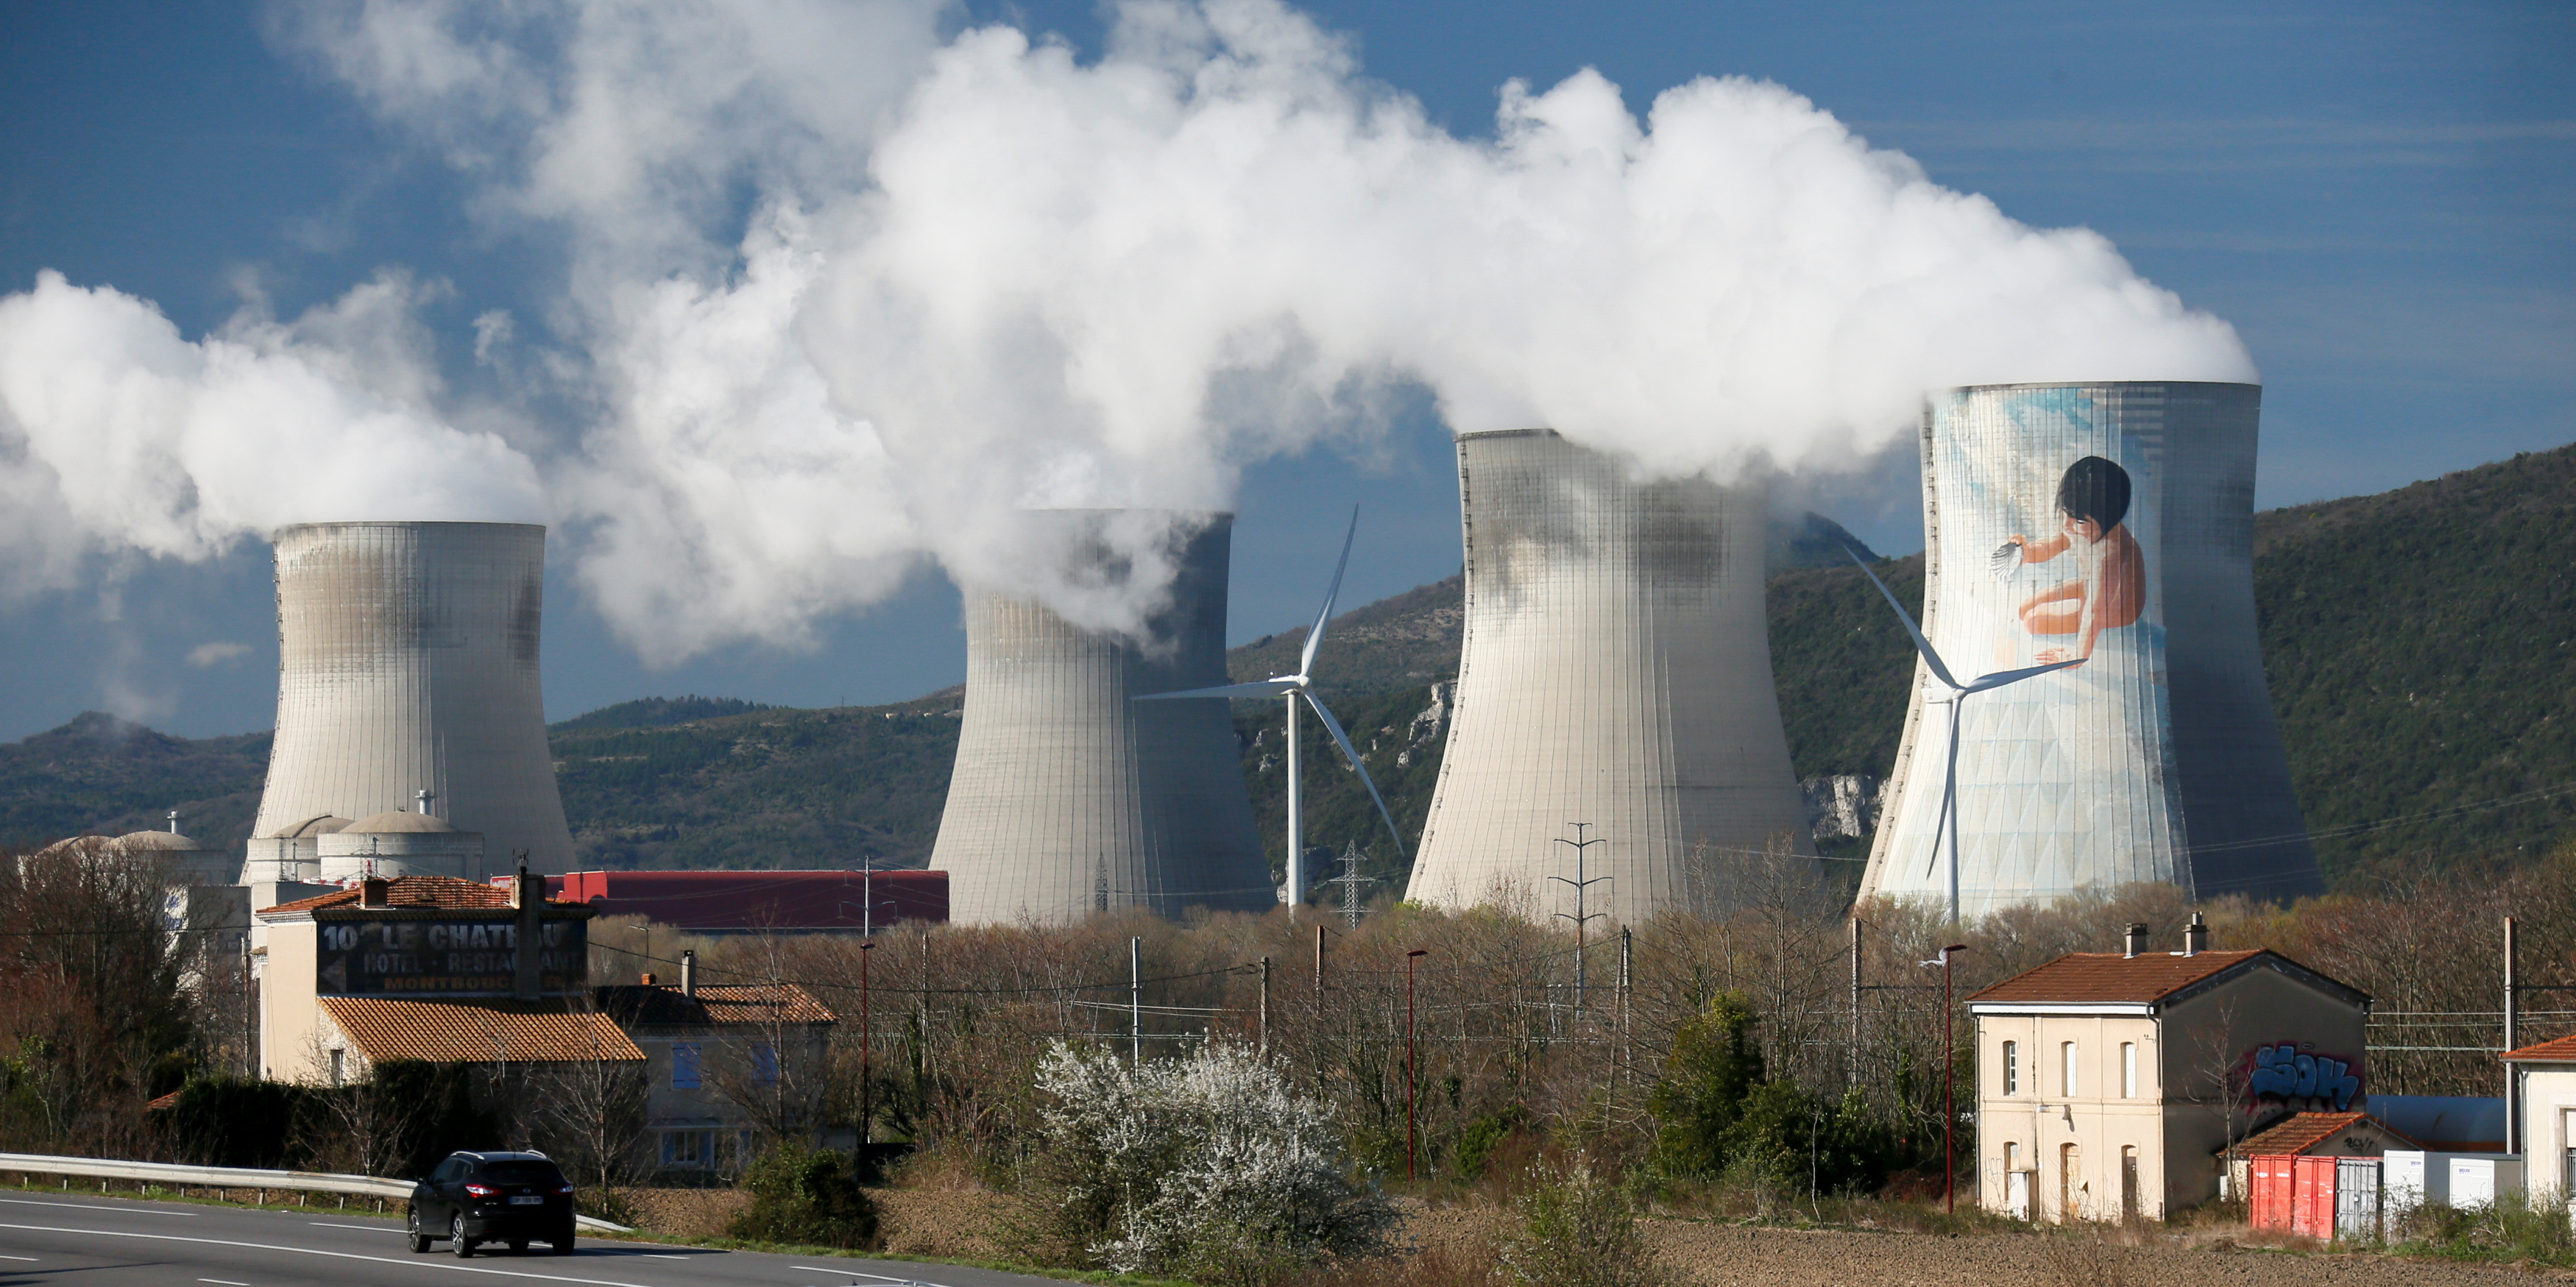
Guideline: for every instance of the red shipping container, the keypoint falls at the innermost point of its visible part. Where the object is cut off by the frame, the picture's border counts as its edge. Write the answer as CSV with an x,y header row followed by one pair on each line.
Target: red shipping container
x,y
2312,1197
2268,1185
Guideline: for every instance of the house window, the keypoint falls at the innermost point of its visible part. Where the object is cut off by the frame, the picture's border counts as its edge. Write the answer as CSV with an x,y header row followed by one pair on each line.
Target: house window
x,y
2012,1067
684,1065
339,1066
688,1150
2012,1156
2128,1070
764,1064
2066,1055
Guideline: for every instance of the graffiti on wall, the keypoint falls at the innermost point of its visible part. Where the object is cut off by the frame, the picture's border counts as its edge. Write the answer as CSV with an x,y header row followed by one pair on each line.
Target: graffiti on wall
x,y
2285,1073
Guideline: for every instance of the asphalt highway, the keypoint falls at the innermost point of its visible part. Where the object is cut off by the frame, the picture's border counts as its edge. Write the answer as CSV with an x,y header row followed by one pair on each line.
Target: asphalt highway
x,y
92,1241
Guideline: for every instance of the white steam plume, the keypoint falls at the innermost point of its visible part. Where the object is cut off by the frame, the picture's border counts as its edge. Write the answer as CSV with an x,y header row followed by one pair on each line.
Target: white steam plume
x,y
119,435
982,275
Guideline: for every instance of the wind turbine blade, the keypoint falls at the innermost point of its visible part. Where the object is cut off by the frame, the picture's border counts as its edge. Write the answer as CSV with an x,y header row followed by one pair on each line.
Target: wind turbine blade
x,y
1257,688
1334,726
1315,637
1921,644
2003,677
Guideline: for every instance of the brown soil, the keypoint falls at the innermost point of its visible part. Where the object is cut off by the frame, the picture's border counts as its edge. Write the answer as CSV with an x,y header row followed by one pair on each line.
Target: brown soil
x,y
952,1223
1717,1254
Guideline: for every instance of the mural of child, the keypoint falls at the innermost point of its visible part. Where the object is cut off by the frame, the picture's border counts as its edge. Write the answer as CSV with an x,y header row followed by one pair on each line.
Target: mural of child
x,y
2109,588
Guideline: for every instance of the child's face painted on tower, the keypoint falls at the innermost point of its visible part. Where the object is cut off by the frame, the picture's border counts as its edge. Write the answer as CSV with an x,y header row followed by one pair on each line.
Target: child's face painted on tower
x,y
2084,527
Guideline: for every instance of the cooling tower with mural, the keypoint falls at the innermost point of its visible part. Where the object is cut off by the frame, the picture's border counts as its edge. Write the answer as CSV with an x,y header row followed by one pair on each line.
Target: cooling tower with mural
x,y
1615,672
2110,524
407,663
1069,796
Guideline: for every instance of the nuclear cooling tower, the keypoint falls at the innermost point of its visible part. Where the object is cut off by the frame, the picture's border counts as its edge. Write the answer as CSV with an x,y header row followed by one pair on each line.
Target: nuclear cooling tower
x,y
1071,797
2114,523
1616,672
407,662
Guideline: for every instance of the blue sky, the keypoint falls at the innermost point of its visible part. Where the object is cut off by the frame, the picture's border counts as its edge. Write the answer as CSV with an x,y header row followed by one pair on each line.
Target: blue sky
x,y
2379,196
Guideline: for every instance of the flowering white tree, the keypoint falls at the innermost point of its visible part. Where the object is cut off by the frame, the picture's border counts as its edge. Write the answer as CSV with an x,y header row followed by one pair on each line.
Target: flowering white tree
x,y
1209,1167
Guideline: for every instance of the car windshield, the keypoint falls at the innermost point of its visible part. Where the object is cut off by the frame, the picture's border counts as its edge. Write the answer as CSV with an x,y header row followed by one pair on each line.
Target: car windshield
x,y
522,1173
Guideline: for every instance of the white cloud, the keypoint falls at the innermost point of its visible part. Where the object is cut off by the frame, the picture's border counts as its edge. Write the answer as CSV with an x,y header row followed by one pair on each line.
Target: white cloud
x,y
216,653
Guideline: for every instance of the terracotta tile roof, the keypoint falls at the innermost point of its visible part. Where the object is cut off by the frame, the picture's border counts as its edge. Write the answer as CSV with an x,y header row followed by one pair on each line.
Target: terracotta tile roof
x,y
2104,978
476,1031
719,1003
2561,1051
2300,1132
444,893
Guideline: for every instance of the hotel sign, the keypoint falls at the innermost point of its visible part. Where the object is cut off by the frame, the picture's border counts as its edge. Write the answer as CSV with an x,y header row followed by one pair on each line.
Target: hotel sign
x,y
446,958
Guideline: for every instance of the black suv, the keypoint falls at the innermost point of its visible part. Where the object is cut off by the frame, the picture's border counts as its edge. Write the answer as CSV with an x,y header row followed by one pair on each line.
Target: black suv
x,y
474,1198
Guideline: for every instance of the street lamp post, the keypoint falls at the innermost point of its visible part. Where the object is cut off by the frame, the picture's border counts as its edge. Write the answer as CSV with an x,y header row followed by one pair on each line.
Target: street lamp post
x,y
1949,1086
1412,1070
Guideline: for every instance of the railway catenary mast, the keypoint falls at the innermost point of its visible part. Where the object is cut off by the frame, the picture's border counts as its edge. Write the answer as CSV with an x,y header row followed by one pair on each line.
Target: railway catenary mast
x,y
1069,796
407,663
1616,671
2113,522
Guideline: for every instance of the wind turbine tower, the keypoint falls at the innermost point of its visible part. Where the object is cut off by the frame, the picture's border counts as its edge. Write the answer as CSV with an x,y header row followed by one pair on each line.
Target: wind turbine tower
x,y
1295,689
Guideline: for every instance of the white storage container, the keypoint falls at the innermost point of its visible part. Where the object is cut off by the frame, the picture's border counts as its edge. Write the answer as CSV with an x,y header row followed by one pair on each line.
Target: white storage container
x,y
2478,1179
2413,1177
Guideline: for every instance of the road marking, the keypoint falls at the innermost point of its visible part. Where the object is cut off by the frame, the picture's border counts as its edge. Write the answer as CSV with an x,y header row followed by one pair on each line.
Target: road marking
x,y
663,1255
223,1282
90,1206
332,1255
852,1273
29,1259
362,1228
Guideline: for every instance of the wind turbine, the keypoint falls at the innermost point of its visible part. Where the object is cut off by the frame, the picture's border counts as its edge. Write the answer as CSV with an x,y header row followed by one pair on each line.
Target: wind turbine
x,y
1293,688
1957,699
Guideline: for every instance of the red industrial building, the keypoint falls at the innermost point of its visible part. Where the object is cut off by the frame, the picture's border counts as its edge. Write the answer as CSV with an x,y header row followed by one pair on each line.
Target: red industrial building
x,y
751,901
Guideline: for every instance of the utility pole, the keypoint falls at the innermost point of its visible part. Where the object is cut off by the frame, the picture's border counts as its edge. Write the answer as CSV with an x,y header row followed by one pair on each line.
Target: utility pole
x,y
1580,845
1265,1007
1412,1069
867,1033
1135,1001
1627,986
1851,1060
2512,1042
1949,1086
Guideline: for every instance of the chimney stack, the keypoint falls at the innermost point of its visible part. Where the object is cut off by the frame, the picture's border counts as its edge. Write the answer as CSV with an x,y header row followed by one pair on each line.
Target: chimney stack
x,y
372,893
689,973
2137,937
2195,936
530,939
648,978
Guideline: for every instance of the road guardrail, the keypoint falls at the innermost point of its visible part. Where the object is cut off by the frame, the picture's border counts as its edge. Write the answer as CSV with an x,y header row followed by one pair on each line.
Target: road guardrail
x,y
233,1177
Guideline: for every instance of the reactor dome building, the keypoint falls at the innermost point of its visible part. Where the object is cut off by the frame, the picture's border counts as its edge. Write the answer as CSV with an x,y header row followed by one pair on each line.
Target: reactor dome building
x,y
407,680
1071,797
1616,672
2110,524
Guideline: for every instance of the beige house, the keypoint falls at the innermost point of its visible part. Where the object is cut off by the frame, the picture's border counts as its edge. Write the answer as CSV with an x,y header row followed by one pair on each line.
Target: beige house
x,y
426,967
2545,1080
726,1065
2109,1083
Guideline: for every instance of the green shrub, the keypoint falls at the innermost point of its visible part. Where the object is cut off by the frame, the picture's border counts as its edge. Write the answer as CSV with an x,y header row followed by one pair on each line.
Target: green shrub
x,y
2514,1228
1714,1066
806,1195
231,1121
1576,1229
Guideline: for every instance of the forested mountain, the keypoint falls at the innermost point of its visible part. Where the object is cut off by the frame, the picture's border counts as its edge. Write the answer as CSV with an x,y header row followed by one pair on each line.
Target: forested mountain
x,y
2421,642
